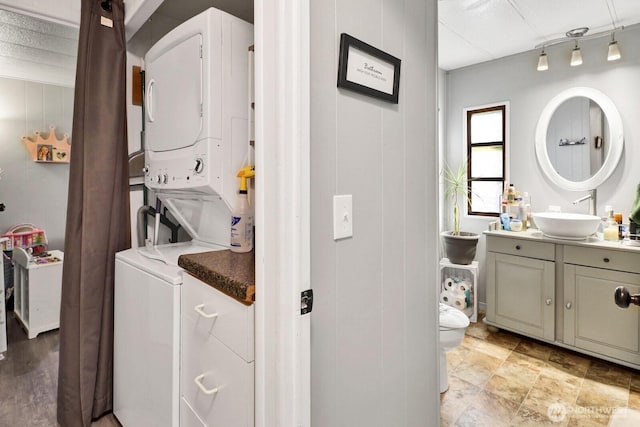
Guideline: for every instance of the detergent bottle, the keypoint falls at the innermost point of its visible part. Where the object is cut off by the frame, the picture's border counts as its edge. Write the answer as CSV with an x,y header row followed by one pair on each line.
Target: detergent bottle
x,y
242,215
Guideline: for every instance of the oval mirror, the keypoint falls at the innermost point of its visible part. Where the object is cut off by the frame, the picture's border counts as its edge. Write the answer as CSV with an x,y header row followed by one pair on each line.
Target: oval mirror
x,y
579,139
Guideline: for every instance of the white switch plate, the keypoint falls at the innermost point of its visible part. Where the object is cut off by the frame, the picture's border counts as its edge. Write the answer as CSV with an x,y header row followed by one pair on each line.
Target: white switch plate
x,y
342,216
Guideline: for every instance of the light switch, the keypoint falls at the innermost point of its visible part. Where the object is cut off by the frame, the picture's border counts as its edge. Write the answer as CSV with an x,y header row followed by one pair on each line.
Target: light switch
x,y
342,216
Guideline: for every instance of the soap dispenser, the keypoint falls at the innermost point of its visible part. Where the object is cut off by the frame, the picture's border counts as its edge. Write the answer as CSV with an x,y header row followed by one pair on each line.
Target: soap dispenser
x,y
611,227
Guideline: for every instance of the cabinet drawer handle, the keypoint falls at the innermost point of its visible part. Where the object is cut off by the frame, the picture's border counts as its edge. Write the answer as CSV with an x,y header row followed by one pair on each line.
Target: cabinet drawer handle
x,y
517,247
568,306
199,309
605,259
548,301
198,381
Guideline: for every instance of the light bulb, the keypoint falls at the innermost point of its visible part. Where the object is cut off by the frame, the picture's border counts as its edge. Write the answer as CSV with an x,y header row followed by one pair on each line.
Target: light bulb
x,y
614,51
543,62
576,57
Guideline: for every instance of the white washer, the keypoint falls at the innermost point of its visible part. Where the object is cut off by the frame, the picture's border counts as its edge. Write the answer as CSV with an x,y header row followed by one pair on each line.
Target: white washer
x,y
147,334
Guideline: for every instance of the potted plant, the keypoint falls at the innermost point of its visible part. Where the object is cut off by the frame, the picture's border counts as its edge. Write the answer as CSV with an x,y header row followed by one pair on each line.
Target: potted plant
x,y
459,246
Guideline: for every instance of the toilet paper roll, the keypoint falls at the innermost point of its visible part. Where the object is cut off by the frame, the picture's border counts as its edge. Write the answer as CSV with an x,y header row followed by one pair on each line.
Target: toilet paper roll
x,y
453,299
449,284
463,287
445,297
458,302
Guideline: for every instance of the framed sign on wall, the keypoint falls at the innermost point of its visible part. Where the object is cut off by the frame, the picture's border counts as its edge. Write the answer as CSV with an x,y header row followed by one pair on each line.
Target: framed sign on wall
x,y
368,70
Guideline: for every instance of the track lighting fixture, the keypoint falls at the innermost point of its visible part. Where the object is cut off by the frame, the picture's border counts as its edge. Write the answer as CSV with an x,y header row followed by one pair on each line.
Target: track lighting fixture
x,y
576,54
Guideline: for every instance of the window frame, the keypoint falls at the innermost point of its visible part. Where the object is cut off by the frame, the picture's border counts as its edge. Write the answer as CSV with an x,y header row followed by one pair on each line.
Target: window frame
x,y
468,113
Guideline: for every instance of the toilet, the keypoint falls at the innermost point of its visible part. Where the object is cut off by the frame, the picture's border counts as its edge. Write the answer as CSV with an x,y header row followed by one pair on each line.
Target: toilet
x,y
453,324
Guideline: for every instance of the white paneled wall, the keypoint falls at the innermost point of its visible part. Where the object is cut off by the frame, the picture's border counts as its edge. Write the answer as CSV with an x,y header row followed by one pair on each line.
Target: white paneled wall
x,y
374,324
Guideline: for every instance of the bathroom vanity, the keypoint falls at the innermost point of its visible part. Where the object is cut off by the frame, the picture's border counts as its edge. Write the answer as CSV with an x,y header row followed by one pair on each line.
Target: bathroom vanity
x,y
562,292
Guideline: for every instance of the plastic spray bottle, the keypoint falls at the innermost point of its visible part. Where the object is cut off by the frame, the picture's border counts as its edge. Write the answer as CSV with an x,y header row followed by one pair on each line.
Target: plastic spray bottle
x,y
242,215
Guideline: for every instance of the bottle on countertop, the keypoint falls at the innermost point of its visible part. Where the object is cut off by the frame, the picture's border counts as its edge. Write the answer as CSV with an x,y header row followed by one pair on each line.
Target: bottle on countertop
x,y
618,217
242,216
526,199
511,194
611,229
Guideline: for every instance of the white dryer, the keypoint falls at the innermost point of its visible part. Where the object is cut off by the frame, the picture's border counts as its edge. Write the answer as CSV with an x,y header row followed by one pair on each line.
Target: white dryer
x,y
197,139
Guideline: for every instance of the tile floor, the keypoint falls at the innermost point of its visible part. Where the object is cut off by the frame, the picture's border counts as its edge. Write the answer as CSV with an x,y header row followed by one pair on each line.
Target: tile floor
x,y
504,379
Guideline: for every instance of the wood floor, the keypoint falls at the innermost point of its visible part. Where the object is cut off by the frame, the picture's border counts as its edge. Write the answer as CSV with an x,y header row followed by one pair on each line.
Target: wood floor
x,y
29,380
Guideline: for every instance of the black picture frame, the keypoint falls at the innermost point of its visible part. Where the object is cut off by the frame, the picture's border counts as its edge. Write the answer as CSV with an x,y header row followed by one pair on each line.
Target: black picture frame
x,y
369,78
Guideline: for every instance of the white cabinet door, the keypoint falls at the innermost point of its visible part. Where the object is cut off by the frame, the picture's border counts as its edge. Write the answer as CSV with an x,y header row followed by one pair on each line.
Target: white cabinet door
x,y
592,321
520,294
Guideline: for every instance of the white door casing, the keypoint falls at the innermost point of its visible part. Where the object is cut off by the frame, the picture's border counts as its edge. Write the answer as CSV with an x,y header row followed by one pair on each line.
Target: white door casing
x,y
282,126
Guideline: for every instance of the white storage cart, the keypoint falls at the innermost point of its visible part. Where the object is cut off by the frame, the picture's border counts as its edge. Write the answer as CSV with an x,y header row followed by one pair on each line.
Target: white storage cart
x,y
38,288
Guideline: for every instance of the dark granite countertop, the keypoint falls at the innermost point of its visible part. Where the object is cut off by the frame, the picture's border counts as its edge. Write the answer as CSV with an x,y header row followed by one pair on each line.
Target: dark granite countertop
x,y
229,272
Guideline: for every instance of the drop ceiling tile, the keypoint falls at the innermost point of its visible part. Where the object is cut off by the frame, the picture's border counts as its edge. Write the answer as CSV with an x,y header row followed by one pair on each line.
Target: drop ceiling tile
x,y
455,52
627,11
551,19
485,24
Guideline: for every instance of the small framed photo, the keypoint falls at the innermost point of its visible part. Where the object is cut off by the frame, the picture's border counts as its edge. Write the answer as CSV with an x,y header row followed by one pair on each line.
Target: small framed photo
x,y
368,70
60,155
45,152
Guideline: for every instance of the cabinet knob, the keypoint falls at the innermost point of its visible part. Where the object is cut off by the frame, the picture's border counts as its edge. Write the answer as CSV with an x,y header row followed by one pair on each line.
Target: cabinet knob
x,y
518,247
568,306
548,301
605,259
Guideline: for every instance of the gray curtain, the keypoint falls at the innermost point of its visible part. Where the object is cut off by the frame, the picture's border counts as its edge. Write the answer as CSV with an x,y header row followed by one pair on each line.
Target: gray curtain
x,y
97,216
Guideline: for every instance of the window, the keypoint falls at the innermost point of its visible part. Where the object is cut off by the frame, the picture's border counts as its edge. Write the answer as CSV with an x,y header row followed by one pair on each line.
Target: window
x,y
486,146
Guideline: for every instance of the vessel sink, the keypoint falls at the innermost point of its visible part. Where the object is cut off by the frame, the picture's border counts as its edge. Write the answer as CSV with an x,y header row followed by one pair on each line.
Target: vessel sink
x,y
564,225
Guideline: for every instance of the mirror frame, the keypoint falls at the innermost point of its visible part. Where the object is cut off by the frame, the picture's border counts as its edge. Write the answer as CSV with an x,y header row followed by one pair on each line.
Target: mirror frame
x,y
614,152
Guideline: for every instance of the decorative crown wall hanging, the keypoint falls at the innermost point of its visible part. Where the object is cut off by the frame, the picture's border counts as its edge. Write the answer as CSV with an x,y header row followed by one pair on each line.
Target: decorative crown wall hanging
x,y
49,149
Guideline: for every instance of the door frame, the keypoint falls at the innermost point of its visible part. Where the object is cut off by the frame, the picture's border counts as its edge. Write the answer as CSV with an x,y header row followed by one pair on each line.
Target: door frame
x,y
282,206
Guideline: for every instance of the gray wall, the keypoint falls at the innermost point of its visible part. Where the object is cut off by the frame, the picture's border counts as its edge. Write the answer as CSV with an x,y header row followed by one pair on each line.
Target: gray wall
x,y
515,79
33,192
374,333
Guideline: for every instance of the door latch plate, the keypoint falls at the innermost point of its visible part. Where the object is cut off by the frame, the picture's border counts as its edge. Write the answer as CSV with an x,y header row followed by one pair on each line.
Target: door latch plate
x,y
306,301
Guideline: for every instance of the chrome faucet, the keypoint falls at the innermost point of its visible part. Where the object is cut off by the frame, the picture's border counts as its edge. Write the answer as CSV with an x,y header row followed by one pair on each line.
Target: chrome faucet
x,y
592,201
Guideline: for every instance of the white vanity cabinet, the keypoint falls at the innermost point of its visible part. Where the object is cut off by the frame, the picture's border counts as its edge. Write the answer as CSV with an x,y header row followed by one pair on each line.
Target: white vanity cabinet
x,y
217,358
521,286
591,320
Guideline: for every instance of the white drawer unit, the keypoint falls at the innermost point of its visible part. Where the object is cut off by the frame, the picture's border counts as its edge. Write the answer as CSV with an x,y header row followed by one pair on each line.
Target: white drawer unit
x,y
219,315
217,374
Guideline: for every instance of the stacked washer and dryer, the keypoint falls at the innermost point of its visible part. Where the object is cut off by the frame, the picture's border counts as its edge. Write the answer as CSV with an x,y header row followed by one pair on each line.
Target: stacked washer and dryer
x,y
196,141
